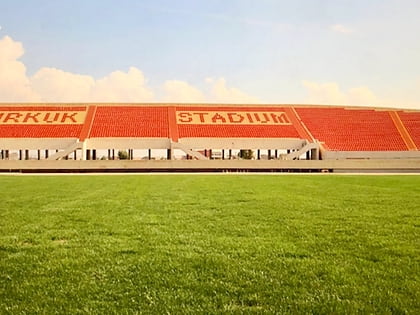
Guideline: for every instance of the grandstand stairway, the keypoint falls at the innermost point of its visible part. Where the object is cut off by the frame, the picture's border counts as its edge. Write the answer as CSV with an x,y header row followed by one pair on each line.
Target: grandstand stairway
x,y
66,151
189,151
312,147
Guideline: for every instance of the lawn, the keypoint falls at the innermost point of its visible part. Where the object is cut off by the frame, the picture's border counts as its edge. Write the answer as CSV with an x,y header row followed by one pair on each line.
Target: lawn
x,y
180,244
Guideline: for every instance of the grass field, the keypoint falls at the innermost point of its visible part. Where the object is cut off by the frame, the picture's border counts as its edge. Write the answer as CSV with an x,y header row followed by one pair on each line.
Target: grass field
x,y
209,244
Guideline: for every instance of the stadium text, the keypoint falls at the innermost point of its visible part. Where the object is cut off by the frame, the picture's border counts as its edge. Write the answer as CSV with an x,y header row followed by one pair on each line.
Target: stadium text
x,y
42,117
232,118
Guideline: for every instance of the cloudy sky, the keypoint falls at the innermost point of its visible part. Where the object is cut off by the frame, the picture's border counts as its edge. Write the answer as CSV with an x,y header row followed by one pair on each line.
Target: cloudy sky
x,y
355,52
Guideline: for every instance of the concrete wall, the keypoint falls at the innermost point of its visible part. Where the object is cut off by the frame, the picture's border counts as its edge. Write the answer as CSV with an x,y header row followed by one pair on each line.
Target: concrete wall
x,y
370,155
407,165
128,143
35,143
243,143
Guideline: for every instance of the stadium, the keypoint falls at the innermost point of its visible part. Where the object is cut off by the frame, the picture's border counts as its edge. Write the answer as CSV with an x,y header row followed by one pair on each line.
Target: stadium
x,y
208,243
207,137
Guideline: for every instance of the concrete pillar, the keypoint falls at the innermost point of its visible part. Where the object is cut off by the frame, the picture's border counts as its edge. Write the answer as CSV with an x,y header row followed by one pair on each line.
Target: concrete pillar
x,y
314,154
84,150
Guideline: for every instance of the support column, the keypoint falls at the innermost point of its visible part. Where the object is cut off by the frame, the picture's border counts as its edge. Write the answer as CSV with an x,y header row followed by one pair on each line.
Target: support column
x,y
314,154
84,150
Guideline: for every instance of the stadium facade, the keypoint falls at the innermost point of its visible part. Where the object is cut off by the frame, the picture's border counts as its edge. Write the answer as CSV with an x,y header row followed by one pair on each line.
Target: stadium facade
x,y
204,132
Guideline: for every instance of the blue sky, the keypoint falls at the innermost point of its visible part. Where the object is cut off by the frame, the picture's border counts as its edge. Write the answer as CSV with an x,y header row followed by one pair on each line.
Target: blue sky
x,y
261,51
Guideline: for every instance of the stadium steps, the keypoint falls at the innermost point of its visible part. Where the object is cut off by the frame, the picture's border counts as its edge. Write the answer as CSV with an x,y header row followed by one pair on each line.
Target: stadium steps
x,y
173,126
306,148
411,121
403,131
187,150
66,151
87,126
304,133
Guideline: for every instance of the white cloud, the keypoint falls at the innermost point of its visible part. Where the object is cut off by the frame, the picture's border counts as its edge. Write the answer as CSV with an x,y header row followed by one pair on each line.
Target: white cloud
x,y
331,94
14,84
339,28
119,86
324,93
221,93
182,92
54,85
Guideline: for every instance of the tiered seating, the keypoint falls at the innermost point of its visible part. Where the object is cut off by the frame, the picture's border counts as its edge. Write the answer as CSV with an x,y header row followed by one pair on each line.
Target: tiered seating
x,y
411,121
40,130
235,131
130,121
352,129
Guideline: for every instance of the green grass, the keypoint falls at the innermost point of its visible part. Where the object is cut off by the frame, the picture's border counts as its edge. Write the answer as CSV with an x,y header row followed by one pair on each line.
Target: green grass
x,y
209,244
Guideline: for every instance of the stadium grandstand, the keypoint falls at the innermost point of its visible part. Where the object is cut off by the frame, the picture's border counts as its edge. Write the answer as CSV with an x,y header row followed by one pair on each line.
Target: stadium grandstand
x,y
281,137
